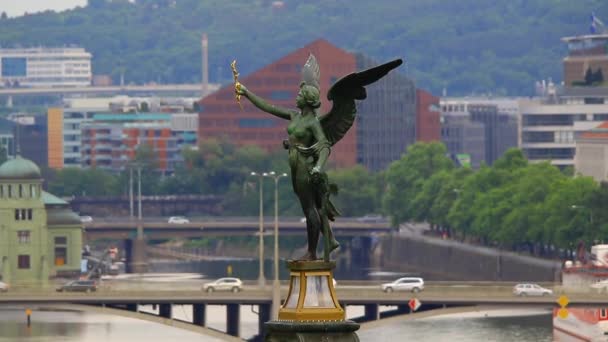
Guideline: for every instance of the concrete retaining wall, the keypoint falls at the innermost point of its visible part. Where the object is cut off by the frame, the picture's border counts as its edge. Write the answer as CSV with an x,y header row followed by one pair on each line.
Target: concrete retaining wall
x,y
437,259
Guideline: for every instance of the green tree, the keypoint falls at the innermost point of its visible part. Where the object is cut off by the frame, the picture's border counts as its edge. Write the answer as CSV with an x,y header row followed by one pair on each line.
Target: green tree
x,y
357,191
405,178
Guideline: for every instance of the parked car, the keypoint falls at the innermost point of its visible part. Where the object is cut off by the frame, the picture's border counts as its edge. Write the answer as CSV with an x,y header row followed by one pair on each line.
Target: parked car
x,y
524,290
404,284
78,286
371,218
86,219
178,220
224,284
303,219
3,286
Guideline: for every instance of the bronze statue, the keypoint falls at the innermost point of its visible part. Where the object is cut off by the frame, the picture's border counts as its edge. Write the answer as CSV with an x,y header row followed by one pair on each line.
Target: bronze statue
x,y
310,138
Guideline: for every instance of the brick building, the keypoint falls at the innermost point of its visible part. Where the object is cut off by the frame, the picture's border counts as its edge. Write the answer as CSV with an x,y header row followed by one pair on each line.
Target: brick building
x,y
386,121
279,84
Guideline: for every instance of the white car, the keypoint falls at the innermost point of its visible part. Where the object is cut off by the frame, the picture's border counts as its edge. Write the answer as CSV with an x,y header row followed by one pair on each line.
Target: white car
x,y
3,287
371,218
524,290
86,219
178,220
224,284
412,284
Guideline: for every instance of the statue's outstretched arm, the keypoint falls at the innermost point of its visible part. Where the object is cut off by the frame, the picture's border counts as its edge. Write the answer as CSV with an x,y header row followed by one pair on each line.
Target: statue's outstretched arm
x,y
263,105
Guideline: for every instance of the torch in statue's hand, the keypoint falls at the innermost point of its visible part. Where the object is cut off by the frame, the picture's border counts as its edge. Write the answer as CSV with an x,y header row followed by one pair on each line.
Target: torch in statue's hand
x,y
239,89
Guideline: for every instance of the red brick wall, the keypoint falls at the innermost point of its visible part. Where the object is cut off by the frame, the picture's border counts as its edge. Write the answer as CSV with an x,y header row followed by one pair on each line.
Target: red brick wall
x,y
428,125
221,115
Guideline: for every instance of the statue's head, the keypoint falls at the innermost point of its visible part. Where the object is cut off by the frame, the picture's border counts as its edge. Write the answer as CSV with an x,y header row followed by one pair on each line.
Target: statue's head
x,y
308,96
309,88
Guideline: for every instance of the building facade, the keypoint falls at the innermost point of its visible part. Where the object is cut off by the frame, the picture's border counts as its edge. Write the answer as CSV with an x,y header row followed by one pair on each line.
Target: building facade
x,y
591,158
45,67
428,116
40,237
110,141
386,119
464,139
278,83
498,117
586,54
549,124
385,124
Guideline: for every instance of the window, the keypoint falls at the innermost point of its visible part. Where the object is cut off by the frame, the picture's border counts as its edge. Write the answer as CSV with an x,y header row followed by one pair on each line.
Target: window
x,y
61,240
61,256
29,214
10,191
23,262
1,191
23,236
17,215
20,190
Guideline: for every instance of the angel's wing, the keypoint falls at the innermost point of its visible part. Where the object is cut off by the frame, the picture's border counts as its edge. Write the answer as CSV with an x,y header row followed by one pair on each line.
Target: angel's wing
x,y
344,93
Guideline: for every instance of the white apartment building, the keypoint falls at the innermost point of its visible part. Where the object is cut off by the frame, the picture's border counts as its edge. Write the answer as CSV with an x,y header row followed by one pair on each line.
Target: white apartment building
x,y
45,67
550,125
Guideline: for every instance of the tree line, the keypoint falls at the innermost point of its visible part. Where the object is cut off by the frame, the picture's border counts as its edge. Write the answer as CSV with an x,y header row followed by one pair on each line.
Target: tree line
x,y
512,204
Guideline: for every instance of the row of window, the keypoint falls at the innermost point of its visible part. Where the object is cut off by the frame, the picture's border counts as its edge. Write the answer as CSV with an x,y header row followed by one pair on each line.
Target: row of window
x,y
23,214
19,191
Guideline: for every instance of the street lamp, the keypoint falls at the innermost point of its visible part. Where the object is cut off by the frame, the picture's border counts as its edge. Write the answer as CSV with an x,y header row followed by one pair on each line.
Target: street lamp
x,y
261,280
276,285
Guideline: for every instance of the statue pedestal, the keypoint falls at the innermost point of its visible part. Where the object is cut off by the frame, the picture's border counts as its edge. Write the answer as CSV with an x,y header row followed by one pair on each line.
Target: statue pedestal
x,y
288,331
311,311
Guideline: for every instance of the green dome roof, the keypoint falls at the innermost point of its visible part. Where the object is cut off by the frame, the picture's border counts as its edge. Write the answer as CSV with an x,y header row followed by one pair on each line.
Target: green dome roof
x,y
19,168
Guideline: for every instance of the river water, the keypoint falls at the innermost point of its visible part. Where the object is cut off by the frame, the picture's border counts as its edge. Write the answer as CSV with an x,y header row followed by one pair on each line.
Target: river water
x,y
77,326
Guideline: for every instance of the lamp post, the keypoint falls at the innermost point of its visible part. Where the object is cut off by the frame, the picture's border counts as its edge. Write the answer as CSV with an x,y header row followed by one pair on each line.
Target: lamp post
x,y
261,279
276,285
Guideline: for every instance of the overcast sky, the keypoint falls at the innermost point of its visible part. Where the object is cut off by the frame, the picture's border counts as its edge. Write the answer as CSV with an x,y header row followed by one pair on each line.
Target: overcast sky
x,y
18,7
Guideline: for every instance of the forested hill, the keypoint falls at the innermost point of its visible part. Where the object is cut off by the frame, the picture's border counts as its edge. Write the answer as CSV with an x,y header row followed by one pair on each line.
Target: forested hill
x,y
465,46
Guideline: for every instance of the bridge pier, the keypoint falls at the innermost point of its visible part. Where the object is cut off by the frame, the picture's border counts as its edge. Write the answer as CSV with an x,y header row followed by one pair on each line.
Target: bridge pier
x,y
233,319
198,314
371,312
265,311
135,253
164,310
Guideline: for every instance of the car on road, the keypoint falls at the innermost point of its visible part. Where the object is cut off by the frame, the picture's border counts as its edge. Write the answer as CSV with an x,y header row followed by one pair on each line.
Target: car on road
x,y
3,286
524,290
371,218
78,286
86,219
224,284
413,284
178,220
303,219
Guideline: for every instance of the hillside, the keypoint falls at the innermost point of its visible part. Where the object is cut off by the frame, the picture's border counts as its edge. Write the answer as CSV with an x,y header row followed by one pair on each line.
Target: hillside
x,y
465,46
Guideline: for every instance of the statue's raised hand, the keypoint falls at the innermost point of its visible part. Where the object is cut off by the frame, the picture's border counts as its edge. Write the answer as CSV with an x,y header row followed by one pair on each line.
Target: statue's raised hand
x,y
240,89
315,174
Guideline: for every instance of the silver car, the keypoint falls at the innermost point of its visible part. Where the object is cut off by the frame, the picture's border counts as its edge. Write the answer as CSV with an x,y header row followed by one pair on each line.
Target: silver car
x,y
412,284
524,290
224,284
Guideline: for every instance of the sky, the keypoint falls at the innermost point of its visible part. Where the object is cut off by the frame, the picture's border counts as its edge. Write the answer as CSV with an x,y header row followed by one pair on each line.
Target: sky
x,y
17,7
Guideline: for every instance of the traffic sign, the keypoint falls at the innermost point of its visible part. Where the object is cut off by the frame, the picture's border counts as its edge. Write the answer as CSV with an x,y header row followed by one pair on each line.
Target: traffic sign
x,y
414,304
563,301
562,313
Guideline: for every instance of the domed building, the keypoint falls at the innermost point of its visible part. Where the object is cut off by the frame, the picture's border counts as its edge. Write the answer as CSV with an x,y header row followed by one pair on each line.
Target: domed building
x,y
40,236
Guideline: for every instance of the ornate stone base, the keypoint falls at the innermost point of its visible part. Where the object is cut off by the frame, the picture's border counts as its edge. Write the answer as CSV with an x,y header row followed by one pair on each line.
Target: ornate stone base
x,y
288,331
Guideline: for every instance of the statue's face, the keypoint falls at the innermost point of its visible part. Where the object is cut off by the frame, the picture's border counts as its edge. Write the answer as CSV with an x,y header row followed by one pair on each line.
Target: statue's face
x,y
300,100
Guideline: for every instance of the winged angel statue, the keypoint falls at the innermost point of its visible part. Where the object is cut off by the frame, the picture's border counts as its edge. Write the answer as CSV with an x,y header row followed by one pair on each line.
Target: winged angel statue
x,y
310,140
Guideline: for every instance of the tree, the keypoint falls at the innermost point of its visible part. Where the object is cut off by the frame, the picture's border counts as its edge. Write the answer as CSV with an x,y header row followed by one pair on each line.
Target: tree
x,y
405,178
3,16
589,77
357,192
